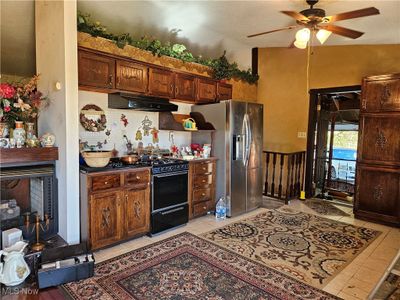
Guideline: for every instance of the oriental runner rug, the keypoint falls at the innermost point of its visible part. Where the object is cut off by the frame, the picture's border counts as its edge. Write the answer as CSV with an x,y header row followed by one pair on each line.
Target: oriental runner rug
x,y
188,267
307,247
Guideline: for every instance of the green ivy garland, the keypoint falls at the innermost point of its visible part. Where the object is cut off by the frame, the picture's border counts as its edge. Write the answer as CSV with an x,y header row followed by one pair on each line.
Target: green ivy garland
x,y
222,68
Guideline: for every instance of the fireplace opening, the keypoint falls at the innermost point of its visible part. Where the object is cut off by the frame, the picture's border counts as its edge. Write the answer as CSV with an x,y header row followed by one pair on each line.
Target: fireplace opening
x,y
25,192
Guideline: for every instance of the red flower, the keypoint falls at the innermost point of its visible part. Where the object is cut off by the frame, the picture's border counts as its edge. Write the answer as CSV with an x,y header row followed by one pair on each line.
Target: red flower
x,y
7,91
7,108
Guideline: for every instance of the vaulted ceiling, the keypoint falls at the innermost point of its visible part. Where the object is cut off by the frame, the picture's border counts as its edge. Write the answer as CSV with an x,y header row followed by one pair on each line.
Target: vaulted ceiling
x,y
208,27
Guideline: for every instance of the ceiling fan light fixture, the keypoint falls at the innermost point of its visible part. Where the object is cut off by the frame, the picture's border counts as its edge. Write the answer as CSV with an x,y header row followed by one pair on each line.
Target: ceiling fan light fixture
x,y
323,35
303,35
300,44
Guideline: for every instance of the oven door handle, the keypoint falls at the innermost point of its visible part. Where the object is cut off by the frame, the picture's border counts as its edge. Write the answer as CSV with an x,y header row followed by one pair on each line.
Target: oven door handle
x,y
170,174
171,211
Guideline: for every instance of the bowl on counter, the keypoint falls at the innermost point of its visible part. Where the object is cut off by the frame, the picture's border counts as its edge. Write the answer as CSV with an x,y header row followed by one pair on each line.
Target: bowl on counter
x,y
97,159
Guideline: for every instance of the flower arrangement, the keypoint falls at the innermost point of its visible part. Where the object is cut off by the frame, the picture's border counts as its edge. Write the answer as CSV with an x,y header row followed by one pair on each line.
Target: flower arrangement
x,y
20,102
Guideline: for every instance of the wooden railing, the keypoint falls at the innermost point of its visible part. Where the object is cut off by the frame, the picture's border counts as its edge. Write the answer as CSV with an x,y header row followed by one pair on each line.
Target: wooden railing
x,y
284,174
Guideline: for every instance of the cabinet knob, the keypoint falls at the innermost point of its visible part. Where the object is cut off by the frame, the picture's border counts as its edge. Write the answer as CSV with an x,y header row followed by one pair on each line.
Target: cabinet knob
x,y
203,194
137,177
204,207
105,182
204,168
203,180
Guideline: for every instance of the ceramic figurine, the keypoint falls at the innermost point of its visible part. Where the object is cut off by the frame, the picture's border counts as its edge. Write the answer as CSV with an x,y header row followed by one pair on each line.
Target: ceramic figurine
x,y
48,140
19,133
14,270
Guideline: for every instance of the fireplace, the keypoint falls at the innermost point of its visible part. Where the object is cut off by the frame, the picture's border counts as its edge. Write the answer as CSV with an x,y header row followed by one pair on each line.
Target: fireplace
x,y
28,187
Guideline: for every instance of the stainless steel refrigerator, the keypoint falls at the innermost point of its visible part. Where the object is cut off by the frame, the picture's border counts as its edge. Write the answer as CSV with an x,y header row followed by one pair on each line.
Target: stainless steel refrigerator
x,y
238,146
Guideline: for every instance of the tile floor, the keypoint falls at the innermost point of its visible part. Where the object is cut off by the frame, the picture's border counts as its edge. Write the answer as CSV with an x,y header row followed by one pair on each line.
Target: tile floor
x,y
356,281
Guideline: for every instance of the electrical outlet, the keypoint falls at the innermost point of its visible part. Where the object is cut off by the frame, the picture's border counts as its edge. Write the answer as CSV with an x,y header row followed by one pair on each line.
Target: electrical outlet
x,y
302,134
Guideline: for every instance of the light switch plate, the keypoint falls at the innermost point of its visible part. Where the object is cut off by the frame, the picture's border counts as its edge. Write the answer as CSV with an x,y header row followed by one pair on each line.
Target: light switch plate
x,y
302,134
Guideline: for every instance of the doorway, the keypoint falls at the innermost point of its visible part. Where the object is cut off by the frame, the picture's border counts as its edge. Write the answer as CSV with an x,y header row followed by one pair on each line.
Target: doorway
x,y
332,144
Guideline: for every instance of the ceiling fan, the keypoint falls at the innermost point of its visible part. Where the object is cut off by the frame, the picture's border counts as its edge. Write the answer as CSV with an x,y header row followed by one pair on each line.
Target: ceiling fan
x,y
315,20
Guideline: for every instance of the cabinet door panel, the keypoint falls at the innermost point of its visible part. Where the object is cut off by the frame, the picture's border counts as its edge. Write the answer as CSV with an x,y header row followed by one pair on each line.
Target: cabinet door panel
x,y
206,91
96,70
161,83
105,218
137,211
380,139
378,191
381,95
185,87
131,77
224,91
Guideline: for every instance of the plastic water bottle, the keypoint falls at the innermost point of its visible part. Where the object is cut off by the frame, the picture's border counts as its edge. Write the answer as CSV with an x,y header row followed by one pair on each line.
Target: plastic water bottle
x,y
220,209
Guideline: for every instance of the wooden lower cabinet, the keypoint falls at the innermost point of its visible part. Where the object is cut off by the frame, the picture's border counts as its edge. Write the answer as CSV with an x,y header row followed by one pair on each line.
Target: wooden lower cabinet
x,y
137,212
105,218
379,190
202,176
117,213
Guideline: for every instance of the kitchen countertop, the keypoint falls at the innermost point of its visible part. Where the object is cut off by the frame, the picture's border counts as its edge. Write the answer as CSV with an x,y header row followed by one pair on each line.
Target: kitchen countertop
x,y
87,169
201,159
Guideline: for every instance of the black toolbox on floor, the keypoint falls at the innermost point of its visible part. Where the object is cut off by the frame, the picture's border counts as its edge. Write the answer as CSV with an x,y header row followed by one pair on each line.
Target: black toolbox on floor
x,y
64,264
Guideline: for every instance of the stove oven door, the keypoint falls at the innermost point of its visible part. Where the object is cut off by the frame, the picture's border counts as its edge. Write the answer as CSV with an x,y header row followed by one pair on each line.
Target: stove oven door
x,y
169,190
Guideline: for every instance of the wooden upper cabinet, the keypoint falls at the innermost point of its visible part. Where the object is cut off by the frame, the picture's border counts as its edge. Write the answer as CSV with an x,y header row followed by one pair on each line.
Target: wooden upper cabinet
x,y
381,93
224,91
185,87
96,71
105,214
161,83
206,90
137,211
131,77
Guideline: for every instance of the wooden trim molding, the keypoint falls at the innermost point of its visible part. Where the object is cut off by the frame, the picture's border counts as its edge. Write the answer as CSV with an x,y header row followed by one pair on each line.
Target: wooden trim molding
x,y
11,156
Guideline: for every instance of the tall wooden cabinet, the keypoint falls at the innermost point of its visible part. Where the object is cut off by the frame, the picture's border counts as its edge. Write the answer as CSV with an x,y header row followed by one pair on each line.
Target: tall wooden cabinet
x,y
378,161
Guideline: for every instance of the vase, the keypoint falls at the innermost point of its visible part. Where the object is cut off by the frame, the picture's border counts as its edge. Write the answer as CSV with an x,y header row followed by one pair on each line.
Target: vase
x,y
48,140
30,130
4,130
19,133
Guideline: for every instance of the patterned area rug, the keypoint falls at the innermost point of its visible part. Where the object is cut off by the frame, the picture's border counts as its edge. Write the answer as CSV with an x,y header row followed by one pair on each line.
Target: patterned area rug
x,y
323,207
307,247
188,267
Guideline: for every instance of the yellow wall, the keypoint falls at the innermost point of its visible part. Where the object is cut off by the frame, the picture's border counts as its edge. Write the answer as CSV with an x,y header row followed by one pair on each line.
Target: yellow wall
x,y
282,87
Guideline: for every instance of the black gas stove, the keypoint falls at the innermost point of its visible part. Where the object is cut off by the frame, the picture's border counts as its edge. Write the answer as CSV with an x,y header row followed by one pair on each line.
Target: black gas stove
x,y
158,165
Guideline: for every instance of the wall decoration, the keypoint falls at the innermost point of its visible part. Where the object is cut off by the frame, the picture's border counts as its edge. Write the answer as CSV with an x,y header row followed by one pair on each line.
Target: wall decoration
x,y
124,120
154,133
138,136
93,118
108,132
146,125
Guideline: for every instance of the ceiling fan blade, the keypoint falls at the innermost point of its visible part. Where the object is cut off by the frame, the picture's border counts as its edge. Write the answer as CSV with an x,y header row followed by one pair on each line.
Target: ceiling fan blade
x,y
350,33
295,15
370,11
275,30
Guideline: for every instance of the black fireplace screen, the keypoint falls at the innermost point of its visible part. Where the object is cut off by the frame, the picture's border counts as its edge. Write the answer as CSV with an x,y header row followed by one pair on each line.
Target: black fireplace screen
x,y
25,192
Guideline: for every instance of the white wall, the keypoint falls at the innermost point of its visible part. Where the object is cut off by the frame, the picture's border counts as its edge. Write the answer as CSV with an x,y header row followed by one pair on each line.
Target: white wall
x,y
134,123
56,61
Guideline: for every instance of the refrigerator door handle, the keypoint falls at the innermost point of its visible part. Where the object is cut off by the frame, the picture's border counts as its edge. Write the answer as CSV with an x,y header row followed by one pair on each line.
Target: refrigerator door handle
x,y
236,147
248,139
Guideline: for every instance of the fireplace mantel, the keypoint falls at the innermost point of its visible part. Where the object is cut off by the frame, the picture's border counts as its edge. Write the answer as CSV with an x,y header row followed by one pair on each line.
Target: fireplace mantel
x,y
27,156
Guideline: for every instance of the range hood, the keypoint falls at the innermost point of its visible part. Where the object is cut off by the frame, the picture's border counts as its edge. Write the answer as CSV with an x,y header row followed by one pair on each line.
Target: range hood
x,y
137,102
